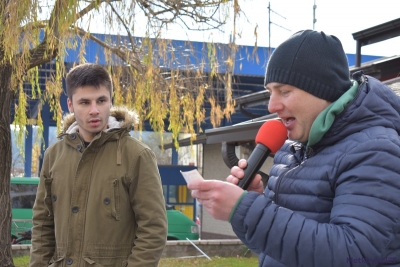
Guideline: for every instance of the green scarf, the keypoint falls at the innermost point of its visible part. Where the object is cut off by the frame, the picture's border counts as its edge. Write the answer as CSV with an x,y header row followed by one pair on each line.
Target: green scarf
x,y
325,119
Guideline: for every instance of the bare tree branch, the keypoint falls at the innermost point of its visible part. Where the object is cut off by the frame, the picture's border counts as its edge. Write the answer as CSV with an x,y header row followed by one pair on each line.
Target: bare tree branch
x,y
43,53
124,25
90,7
175,9
121,51
35,25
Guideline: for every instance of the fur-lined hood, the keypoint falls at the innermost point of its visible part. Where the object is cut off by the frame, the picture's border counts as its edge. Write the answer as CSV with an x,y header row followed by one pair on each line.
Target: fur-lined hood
x,y
121,122
120,117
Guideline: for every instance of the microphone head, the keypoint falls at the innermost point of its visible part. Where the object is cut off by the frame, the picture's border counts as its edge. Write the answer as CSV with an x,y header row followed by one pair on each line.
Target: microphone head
x,y
272,134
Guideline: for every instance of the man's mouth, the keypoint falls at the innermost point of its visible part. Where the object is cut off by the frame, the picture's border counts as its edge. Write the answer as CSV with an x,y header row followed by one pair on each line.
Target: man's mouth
x,y
94,122
288,122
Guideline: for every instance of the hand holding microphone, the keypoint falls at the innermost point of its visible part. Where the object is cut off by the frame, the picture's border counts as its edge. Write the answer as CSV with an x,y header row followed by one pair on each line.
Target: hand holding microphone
x,y
218,197
269,139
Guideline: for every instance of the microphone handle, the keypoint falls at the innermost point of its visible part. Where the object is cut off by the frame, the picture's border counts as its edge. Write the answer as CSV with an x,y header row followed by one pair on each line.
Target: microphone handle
x,y
254,163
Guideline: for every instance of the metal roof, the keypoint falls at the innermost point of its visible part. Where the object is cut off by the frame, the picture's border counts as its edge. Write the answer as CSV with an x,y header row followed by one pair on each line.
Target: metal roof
x,y
375,34
394,84
378,33
382,69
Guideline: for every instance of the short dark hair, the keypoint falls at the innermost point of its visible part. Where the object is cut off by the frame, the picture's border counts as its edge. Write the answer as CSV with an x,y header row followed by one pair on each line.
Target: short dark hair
x,y
88,74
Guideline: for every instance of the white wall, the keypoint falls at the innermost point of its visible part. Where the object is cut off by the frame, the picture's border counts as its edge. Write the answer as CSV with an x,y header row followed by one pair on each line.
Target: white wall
x,y
215,168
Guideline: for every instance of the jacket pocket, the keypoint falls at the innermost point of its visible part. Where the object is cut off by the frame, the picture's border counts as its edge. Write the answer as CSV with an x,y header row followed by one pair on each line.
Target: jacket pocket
x,y
115,212
105,262
56,262
47,197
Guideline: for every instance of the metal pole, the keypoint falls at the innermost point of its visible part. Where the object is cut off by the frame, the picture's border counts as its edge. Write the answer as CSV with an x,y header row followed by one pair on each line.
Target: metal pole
x,y
28,151
314,19
269,29
204,254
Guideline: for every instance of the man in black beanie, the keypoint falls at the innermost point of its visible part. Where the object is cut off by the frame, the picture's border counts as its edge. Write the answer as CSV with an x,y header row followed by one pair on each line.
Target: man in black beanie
x,y
332,198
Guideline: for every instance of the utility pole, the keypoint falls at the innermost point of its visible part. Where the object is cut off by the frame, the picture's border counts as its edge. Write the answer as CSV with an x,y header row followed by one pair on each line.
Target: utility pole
x,y
269,29
269,26
314,19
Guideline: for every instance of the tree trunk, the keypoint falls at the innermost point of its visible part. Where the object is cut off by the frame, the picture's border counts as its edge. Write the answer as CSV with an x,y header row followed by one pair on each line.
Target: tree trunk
x,y
6,98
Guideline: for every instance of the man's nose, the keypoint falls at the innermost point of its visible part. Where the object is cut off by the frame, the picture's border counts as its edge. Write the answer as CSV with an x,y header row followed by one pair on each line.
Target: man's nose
x,y
274,104
93,108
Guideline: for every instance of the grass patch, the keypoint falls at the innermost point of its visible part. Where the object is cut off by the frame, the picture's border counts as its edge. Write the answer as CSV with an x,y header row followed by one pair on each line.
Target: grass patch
x,y
204,262
23,261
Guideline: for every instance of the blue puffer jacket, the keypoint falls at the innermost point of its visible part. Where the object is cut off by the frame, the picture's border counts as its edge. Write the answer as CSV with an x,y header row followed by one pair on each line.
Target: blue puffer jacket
x,y
336,203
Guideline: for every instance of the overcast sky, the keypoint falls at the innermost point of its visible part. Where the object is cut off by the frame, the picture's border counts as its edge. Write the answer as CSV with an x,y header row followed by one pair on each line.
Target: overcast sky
x,y
336,17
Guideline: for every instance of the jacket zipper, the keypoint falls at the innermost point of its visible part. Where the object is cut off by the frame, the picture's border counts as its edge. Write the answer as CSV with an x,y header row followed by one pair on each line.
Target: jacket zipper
x,y
280,177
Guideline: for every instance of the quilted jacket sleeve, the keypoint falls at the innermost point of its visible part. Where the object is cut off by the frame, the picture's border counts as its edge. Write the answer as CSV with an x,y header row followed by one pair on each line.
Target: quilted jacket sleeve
x,y
364,222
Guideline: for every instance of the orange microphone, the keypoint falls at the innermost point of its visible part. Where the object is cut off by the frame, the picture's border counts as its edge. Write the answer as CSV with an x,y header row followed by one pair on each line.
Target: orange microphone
x,y
269,139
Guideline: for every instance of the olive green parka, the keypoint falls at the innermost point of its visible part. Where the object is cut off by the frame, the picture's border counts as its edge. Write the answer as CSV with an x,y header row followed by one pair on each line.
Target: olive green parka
x,y
100,205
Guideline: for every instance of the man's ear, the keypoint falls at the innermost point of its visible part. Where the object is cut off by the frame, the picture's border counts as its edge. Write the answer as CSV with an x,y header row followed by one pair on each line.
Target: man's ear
x,y
70,107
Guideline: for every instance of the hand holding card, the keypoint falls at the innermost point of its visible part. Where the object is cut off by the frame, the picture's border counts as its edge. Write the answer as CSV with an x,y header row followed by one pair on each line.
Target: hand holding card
x,y
191,175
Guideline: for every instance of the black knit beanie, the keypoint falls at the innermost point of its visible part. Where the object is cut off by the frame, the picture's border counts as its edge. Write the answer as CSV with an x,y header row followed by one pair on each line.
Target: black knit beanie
x,y
312,61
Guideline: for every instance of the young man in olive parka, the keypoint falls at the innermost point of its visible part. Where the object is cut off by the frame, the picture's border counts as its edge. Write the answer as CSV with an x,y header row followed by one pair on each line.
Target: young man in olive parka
x,y
100,200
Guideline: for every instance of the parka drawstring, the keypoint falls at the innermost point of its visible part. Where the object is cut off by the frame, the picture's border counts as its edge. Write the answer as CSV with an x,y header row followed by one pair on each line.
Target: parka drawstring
x,y
118,152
